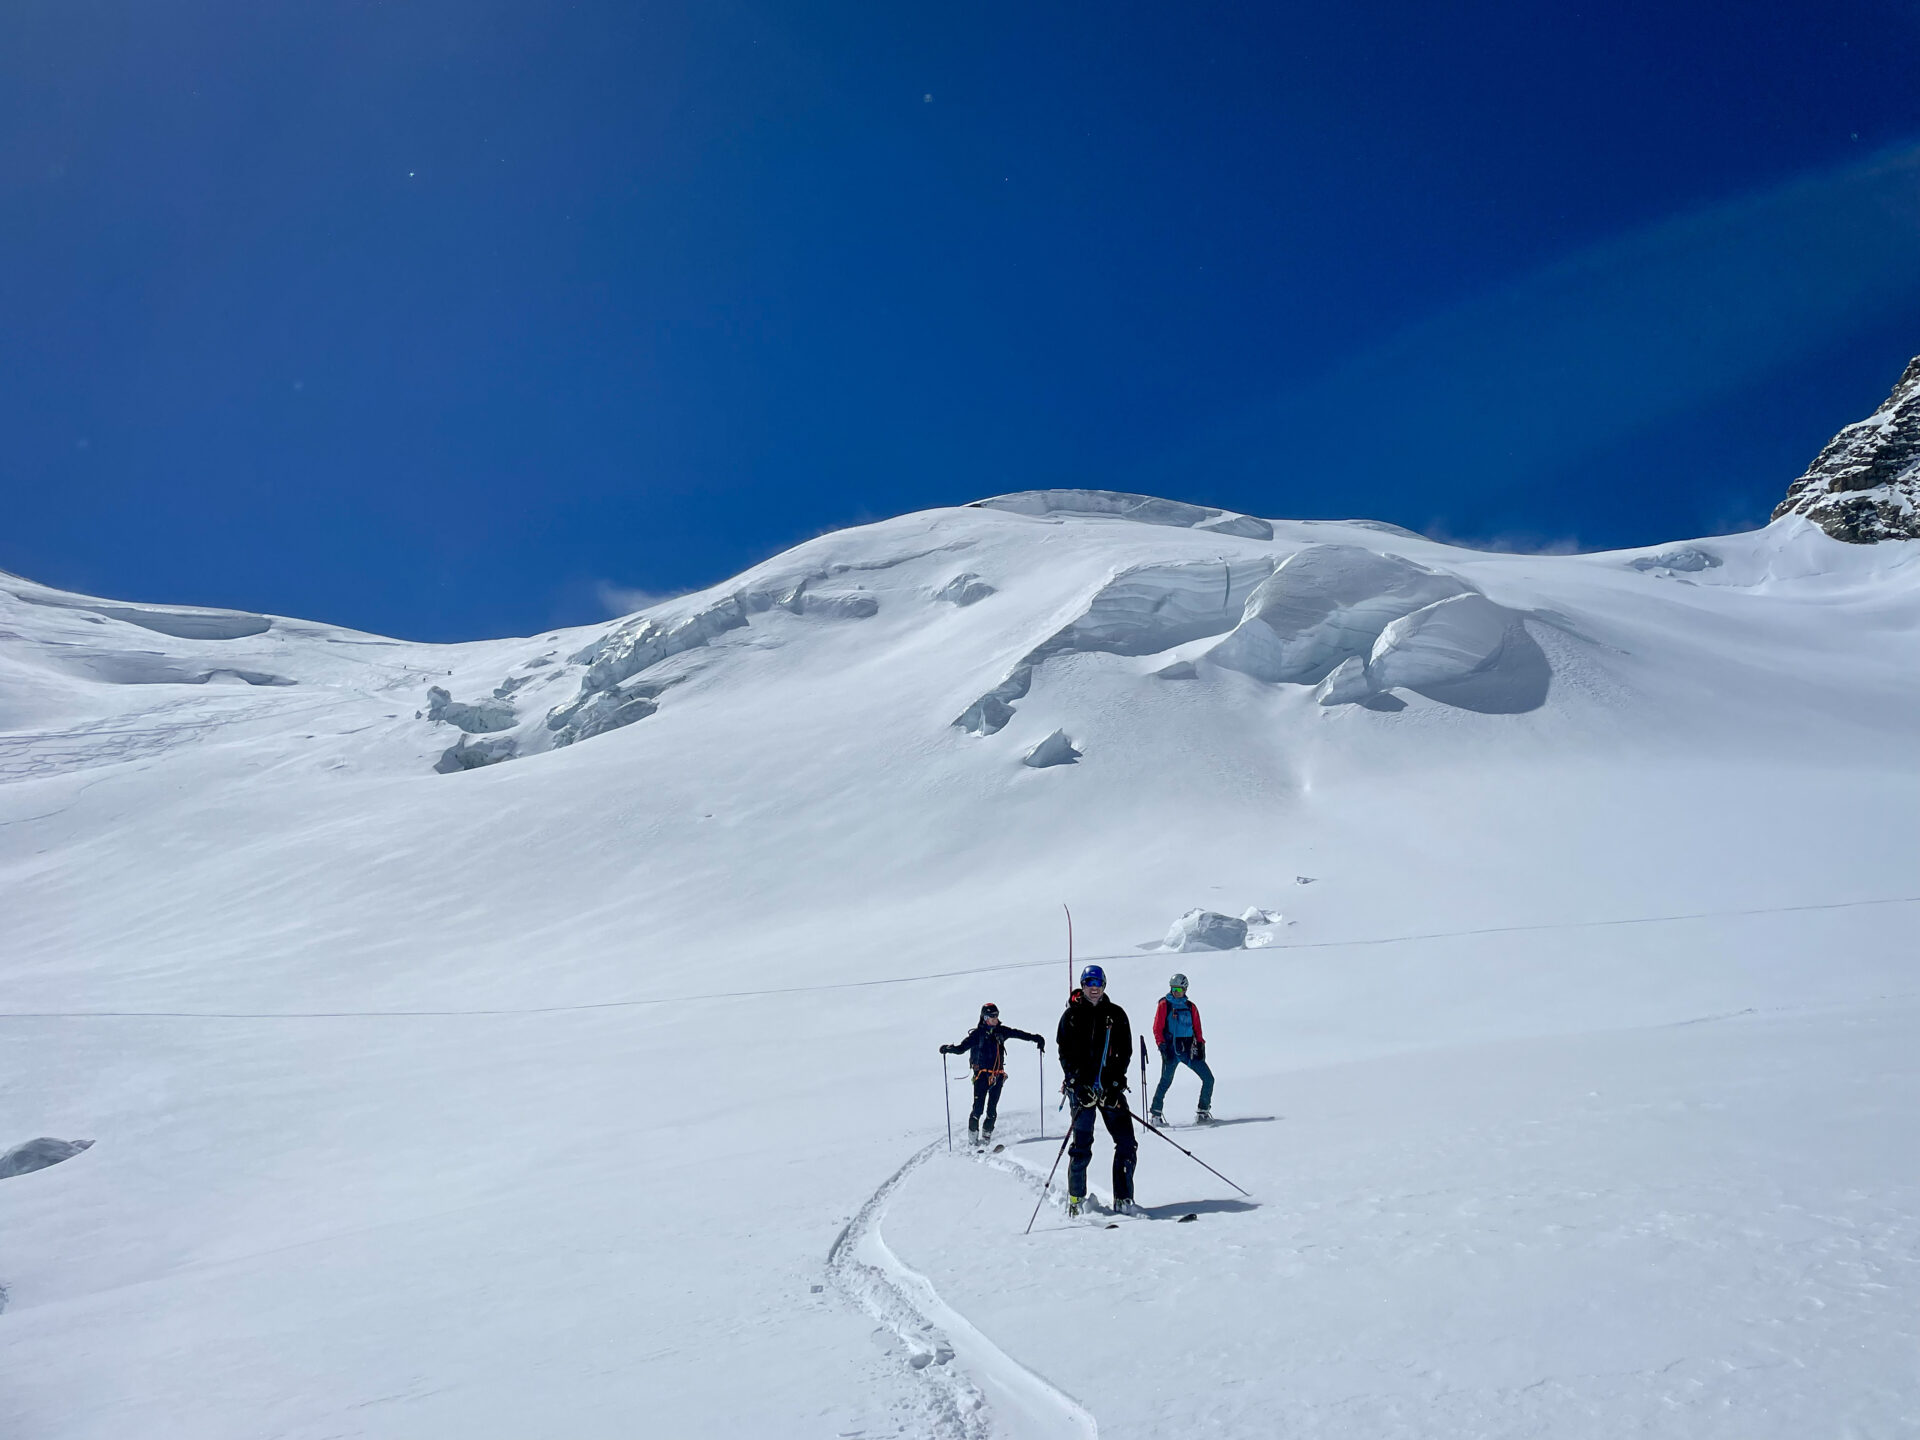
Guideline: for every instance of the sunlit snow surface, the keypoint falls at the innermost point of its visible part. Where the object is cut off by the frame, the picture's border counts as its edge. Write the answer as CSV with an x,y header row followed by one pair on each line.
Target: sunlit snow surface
x,y
592,1092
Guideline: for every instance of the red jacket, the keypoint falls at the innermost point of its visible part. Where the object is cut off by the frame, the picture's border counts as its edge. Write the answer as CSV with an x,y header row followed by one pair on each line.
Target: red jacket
x,y
1160,1024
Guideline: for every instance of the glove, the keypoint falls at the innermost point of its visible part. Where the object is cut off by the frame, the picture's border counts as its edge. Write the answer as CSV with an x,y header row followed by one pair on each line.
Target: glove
x,y
946,1049
1200,1050
1043,1047
1166,1052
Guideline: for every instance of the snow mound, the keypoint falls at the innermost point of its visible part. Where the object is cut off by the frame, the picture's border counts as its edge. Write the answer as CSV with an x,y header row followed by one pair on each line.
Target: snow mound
x,y
189,623
1323,605
1146,509
1448,640
964,589
1141,610
1466,652
31,1155
1056,749
139,667
1206,930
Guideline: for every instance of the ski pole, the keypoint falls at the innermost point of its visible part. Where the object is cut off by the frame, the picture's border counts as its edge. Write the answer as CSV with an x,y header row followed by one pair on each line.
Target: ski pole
x,y
1040,1074
946,1093
1049,1185
1143,1064
1184,1151
1069,949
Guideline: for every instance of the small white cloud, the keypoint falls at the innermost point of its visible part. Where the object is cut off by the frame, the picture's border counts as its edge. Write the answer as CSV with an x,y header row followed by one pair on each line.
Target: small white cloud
x,y
627,600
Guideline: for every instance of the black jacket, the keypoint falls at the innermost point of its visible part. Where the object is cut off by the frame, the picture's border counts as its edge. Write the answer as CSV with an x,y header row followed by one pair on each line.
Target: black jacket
x,y
986,1046
1094,1044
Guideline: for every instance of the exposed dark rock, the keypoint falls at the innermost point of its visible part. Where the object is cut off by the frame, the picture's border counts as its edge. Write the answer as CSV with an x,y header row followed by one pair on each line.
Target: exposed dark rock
x,y
1865,486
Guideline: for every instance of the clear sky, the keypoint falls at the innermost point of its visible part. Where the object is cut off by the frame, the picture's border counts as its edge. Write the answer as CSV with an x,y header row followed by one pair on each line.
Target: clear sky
x,y
447,318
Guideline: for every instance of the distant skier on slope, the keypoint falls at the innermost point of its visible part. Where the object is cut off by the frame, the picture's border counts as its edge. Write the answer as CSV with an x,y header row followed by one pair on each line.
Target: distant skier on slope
x,y
1176,1030
1094,1045
985,1047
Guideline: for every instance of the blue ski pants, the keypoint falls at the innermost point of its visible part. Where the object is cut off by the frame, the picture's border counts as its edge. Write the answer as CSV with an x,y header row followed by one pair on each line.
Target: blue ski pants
x,y
1126,1148
1171,1060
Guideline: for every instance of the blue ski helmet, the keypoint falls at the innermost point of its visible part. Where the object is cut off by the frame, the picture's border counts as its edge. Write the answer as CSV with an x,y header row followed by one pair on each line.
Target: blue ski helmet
x,y
1094,975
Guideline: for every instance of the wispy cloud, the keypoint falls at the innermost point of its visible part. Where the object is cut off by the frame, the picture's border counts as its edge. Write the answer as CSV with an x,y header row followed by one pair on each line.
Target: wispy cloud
x,y
621,600
1505,543
1573,358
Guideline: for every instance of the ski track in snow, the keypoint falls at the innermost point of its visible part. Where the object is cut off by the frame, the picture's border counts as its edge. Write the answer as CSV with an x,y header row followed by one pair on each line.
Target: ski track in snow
x,y
1009,1400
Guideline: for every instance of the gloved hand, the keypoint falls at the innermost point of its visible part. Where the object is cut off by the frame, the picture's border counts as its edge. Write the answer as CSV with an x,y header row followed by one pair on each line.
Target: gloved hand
x,y
1166,1052
946,1049
1200,1050
1043,1047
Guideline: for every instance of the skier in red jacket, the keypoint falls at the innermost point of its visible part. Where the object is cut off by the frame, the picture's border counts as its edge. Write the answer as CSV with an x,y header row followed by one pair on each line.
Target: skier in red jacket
x,y
1176,1030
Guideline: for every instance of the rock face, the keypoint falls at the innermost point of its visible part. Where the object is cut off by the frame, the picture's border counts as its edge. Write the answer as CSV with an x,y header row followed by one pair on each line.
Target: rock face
x,y
1865,486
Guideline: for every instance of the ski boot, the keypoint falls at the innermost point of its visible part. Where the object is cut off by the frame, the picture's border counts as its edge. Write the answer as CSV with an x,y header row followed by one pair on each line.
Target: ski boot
x,y
1125,1207
1075,1204
1155,1117
1203,1117
986,1136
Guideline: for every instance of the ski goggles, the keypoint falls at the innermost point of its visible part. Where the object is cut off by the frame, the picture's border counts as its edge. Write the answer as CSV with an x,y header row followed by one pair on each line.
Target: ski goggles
x,y
989,1012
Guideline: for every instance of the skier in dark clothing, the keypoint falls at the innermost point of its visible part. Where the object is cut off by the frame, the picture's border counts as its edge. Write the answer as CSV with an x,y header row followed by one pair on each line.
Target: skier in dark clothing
x,y
1094,1044
1176,1030
986,1050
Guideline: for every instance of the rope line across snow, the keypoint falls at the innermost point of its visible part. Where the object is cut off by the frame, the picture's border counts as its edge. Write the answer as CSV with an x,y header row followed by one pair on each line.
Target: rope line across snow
x,y
920,979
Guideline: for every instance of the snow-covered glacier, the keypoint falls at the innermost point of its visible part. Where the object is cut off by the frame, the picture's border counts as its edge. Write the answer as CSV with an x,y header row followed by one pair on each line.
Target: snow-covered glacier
x,y
536,1036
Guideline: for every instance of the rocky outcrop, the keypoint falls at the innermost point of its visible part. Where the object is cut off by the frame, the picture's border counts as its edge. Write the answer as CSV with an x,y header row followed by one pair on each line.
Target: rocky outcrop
x,y
1865,486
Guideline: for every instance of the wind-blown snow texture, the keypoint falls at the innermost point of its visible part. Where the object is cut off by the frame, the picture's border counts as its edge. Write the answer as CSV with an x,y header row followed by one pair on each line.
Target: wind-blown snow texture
x,y
537,1037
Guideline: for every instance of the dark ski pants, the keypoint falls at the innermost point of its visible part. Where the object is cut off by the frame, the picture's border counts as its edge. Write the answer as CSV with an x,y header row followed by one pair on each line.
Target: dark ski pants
x,y
986,1094
1172,1060
1126,1149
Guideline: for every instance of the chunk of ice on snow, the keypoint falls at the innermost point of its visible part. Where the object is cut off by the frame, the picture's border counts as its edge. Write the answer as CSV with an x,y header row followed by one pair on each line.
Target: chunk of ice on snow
x,y
1449,640
1347,684
1324,604
1056,749
1206,930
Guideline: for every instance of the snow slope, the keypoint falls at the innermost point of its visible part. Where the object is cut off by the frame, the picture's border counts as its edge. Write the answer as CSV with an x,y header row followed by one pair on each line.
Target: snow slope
x,y
590,1090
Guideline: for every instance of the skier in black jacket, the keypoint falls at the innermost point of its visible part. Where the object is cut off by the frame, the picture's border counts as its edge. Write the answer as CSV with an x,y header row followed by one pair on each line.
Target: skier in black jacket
x,y
986,1049
1094,1044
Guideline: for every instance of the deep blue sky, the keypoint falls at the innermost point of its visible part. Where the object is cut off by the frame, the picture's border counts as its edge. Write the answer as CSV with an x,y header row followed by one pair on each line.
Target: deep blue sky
x,y
436,318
